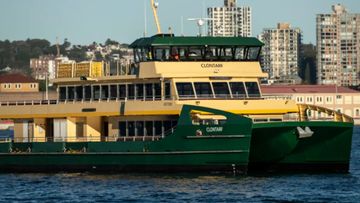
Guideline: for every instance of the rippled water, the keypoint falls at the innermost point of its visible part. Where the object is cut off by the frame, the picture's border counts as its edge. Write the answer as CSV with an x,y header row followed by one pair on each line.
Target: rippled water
x,y
82,187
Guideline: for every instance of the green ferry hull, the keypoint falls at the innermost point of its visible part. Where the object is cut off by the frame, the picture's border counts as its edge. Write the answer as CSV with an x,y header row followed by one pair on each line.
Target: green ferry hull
x,y
278,147
218,148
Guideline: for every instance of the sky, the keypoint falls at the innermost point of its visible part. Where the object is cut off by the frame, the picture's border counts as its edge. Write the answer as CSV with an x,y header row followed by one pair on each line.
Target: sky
x,y
86,21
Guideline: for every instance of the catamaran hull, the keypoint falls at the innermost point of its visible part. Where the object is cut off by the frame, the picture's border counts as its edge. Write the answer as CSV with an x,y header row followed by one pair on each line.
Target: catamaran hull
x,y
123,162
282,147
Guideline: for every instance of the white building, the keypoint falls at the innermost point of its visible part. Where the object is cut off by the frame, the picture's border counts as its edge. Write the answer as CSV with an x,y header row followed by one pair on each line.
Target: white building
x,y
229,20
42,67
341,99
338,47
281,53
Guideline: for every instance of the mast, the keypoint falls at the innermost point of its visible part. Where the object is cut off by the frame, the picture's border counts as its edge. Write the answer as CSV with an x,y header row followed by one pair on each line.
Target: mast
x,y
154,6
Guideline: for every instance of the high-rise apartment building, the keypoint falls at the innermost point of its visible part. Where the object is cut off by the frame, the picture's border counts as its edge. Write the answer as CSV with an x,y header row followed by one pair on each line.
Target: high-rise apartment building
x,y
280,54
338,47
229,20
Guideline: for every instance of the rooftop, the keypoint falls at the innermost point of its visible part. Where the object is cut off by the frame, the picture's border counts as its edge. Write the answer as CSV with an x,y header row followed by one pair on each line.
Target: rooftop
x,y
168,40
292,89
16,78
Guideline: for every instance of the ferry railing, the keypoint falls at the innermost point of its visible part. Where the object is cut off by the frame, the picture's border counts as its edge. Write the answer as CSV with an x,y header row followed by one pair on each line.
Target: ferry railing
x,y
114,138
337,116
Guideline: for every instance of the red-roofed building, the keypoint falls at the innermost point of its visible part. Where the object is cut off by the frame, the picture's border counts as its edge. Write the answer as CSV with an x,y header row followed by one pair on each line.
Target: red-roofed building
x,y
342,99
16,82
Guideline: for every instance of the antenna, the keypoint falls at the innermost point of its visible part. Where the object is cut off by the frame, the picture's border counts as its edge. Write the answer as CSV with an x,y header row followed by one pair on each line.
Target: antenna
x,y
200,22
57,47
182,25
155,6
145,19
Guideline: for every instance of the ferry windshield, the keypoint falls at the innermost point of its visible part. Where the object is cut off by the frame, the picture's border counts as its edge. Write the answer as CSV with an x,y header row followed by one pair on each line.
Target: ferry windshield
x,y
197,53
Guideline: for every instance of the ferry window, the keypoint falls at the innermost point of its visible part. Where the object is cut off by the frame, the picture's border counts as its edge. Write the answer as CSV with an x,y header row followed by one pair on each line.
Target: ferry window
x,y
96,92
113,91
253,53
252,89
167,127
122,128
79,92
195,53
71,93
167,91
62,93
162,54
221,89
203,89
149,91
239,53
175,56
87,92
131,91
185,90
173,123
122,92
238,89
140,128
137,55
182,53
79,129
157,90
225,53
210,53
104,91
139,91
149,128
113,67
158,128
131,128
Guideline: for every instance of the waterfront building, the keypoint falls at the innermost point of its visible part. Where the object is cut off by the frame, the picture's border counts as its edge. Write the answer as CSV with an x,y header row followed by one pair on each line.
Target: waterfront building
x,y
338,47
281,53
341,99
229,20
16,82
43,67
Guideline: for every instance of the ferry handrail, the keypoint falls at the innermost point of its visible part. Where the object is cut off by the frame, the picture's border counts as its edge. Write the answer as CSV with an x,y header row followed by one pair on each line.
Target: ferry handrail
x,y
337,116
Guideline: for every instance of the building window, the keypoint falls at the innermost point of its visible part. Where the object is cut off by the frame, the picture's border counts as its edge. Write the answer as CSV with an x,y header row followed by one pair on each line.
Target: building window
x,y
357,112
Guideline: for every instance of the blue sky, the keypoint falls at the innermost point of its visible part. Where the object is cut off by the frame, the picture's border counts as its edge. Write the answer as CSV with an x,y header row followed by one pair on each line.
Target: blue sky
x,y
85,21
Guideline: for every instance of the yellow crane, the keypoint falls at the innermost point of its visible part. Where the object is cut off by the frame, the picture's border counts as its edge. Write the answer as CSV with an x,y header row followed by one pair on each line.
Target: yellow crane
x,y
154,6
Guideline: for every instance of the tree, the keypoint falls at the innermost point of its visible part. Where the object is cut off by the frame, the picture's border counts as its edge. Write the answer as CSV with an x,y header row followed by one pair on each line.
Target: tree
x,y
111,42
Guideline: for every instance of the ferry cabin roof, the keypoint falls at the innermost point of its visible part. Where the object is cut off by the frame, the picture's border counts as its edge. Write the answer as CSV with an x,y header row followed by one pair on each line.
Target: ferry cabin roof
x,y
170,48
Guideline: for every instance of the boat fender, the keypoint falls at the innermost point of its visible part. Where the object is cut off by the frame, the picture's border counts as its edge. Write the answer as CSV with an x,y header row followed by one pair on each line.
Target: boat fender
x,y
199,133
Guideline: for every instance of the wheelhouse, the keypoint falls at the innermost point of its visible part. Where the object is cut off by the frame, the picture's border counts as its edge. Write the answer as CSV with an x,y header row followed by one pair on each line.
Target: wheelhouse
x,y
170,48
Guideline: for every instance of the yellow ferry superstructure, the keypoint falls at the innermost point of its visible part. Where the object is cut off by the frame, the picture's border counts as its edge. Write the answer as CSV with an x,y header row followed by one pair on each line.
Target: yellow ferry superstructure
x,y
94,111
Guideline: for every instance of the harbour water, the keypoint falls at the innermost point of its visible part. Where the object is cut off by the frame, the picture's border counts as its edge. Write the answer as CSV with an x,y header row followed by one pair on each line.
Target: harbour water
x,y
84,187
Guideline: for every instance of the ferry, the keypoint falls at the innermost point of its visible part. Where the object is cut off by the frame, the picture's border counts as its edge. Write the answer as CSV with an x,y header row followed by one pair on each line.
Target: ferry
x,y
185,104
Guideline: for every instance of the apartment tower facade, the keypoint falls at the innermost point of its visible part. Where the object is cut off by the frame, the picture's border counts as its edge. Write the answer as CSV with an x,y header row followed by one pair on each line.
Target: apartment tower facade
x,y
338,47
229,20
281,53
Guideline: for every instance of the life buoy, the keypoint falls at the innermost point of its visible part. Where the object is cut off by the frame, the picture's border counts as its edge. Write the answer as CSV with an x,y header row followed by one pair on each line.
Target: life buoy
x,y
199,133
